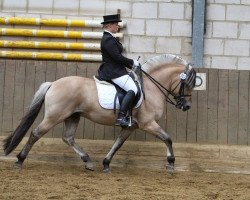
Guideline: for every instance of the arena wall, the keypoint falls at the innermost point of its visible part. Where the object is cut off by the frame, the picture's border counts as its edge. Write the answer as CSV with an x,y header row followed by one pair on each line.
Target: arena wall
x,y
219,114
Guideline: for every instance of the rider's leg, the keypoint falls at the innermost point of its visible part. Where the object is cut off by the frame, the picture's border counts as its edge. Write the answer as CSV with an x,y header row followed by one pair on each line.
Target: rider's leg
x,y
126,105
126,83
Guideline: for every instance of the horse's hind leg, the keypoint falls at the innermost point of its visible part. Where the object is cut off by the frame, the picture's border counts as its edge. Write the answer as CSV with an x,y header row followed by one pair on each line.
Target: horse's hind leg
x,y
117,145
156,130
35,135
68,137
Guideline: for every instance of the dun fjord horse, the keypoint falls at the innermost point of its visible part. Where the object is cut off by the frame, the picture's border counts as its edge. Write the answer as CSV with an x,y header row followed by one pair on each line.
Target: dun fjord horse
x,y
69,98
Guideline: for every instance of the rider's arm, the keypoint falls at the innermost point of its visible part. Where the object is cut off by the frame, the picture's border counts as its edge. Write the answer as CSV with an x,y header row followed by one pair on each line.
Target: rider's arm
x,y
111,47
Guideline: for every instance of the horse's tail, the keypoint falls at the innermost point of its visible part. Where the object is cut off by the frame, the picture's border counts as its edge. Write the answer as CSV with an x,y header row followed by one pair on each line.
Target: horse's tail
x,y
11,142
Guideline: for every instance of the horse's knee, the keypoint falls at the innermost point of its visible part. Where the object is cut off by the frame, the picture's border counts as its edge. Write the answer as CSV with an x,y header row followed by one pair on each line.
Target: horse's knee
x,y
165,138
169,141
68,141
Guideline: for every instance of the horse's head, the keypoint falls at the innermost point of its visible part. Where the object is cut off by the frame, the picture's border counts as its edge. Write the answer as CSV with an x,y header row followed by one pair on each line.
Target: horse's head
x,y
180,79
185,85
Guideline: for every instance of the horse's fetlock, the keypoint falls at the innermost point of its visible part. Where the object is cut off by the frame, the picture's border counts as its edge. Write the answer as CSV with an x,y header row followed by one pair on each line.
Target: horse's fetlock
x,y
171,159
20,158
105,161
86,158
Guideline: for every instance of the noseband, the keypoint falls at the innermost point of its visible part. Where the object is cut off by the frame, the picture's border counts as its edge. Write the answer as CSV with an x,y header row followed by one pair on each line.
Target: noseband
x,y
187,80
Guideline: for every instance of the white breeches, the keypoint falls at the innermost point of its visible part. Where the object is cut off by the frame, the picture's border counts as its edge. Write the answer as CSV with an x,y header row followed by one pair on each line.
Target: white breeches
x,y
126,83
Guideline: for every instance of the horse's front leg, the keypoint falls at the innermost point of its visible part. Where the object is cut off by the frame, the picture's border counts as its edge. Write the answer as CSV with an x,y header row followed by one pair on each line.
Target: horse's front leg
x,y
117,145
156,130
170,152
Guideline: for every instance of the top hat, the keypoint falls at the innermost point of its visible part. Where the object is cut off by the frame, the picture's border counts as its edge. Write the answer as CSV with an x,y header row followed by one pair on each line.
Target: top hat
x,y
111,18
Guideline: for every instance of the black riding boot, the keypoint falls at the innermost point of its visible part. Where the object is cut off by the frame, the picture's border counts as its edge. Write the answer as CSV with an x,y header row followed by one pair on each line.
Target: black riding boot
x,y
126,104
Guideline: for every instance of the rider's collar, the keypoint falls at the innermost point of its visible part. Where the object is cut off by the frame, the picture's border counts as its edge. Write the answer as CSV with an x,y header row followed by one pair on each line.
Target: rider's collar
x,y
109,33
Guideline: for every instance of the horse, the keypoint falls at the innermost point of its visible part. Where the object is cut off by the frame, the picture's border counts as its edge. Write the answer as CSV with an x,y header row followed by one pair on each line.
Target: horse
x,y
69,98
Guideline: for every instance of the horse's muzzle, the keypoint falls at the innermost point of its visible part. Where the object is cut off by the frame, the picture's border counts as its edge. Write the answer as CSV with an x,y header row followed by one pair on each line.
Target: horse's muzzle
x,y
186,106
183,104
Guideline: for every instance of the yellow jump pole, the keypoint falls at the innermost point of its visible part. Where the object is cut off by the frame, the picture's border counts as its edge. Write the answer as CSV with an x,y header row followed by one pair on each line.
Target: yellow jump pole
x,y
49,45
52,22
50,56
52,33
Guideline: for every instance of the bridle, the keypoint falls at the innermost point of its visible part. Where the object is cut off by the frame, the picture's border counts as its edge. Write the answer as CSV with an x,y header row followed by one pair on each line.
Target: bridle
x,y
187,80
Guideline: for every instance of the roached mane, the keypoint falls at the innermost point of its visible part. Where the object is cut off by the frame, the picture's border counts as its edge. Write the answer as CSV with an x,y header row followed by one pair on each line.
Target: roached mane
x,y
162,59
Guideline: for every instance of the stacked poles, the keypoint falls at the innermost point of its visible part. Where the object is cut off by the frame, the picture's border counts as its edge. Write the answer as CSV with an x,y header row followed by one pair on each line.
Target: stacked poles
x,y
50,56
49,45
50,34
52,22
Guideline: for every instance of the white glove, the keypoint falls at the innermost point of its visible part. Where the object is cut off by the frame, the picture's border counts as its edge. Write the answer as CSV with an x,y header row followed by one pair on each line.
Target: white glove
x,y
136,67
136,63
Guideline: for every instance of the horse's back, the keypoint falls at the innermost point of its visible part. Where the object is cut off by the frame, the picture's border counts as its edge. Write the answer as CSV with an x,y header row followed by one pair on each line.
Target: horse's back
x,y
73,83
73,80
71,88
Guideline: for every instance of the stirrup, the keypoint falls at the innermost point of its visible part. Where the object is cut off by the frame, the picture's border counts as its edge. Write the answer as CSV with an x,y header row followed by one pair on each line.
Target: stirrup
x,y
122,122
125,122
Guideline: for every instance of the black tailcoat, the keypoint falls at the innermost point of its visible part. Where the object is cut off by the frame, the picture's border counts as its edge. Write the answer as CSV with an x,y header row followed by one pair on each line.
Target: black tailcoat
x,y
114,62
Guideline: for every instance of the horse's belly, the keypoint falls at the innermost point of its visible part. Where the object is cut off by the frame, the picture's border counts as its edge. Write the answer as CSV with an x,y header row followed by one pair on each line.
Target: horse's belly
x,y
105,117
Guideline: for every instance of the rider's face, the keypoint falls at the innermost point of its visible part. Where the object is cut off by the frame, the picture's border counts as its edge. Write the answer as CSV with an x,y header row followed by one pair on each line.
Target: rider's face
x,y
113,27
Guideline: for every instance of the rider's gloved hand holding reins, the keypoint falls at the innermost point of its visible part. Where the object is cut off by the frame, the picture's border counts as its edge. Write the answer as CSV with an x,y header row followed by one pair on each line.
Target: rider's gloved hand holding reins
x,y
136,66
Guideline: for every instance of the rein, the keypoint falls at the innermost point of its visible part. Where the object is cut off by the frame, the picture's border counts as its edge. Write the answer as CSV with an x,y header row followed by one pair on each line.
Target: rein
x,y
164,90
160,87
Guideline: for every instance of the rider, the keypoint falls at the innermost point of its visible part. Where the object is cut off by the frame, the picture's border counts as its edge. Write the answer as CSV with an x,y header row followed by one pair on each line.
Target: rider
x,y
114,66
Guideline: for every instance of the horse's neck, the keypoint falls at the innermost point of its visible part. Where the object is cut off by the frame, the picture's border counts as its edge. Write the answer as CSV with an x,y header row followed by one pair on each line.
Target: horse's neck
x,y
167,75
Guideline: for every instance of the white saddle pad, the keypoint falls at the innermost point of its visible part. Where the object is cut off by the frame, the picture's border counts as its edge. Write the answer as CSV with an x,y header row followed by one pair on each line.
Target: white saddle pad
x,y
106,95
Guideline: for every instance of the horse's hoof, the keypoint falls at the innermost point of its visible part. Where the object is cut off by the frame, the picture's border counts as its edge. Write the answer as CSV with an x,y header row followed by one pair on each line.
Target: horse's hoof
x,y
89,166
17,165
170,168
106,170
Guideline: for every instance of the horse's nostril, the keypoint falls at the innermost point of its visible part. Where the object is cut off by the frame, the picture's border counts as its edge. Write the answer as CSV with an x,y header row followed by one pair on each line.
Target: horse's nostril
x,y
186,107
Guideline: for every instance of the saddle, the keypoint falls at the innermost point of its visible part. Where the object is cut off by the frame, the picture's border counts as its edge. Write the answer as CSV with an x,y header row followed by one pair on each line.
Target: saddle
x,y
111,95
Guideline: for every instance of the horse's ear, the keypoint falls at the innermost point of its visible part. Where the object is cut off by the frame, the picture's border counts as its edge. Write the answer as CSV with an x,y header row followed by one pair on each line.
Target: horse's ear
x,y
191,79
188,67
194,81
